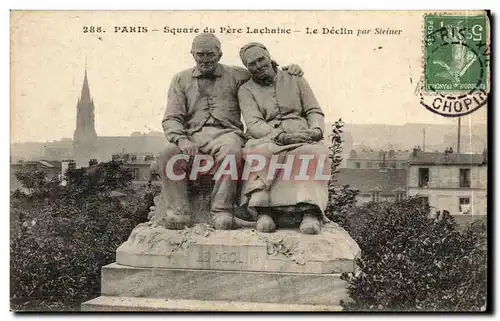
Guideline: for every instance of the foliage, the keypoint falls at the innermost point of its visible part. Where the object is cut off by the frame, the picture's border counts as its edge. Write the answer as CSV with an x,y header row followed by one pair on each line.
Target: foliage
x,y
340,200
414,261
63,235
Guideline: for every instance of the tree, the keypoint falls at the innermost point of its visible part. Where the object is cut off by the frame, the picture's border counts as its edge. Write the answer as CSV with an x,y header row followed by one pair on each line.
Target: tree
x,y
414,261
67,233
340,200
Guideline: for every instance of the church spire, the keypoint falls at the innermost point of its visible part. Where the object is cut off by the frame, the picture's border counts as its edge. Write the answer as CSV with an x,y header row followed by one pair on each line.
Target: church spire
x,y
85,95
85,136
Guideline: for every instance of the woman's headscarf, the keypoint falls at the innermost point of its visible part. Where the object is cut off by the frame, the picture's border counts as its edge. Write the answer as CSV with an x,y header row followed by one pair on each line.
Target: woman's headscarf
x,y
244,49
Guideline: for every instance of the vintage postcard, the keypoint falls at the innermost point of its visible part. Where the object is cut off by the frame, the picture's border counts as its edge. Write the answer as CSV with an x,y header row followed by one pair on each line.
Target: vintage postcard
x,y
249,160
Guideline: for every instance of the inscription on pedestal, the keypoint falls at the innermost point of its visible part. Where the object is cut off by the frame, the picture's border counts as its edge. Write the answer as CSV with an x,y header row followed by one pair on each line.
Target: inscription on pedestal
x,y
225,257
212,255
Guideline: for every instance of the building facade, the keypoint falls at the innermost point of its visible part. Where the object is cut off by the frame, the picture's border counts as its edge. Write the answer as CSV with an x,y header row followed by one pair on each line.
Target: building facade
x,y
369,159
448,181
52,169
143,166
376,185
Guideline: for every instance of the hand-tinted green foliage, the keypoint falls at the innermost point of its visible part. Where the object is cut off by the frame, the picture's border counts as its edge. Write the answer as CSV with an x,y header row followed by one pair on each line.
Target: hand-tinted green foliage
x,y
62,235
412,261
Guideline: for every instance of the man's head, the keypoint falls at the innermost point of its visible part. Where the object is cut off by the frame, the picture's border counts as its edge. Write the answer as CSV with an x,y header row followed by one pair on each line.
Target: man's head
x,y
206,51
258,61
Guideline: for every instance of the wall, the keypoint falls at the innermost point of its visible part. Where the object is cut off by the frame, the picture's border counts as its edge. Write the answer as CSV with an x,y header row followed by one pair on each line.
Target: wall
x,y
144,171
448,199
351,163
14,183
363,198
444,191
447,176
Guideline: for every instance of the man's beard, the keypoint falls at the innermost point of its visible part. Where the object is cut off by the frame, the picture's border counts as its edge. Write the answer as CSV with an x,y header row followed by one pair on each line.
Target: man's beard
x,y
207,68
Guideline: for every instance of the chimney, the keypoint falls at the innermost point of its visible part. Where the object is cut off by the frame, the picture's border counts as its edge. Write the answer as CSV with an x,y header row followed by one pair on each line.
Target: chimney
x,y
447,153
415,152
71,164
423,139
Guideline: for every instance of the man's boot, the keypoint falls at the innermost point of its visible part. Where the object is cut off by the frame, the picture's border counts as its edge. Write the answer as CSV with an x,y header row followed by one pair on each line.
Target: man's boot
x,y
223,220
177,222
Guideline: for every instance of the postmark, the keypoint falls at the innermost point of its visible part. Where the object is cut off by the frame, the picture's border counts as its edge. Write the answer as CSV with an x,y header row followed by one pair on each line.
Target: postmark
x,y
456,66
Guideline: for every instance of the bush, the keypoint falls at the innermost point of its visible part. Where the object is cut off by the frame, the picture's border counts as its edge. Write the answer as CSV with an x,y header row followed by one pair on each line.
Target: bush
x,y
412,261
65,234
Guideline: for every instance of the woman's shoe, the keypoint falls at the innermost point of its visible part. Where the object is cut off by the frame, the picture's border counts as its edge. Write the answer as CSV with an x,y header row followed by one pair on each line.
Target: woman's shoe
x,y
310,224
265,224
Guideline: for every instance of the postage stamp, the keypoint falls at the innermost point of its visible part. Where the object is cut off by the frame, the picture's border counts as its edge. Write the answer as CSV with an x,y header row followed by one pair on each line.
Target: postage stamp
x,y
455,53
456,63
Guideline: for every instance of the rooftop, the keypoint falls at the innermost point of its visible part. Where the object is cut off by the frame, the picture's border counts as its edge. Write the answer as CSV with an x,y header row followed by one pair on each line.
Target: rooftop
x,y
368,180
427,158
44,163
378,155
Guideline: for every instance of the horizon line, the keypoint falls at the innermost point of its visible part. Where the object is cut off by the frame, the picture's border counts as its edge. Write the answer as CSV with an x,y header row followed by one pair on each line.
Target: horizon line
x,y
326,123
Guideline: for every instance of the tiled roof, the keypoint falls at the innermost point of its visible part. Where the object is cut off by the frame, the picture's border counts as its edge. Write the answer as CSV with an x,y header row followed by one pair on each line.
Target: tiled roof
x,y
366,180
56,164
44,163
51,164
446,159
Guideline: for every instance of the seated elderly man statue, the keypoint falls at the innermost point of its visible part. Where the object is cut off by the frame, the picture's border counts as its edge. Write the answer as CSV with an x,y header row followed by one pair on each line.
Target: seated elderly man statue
x,y
284,120
203,117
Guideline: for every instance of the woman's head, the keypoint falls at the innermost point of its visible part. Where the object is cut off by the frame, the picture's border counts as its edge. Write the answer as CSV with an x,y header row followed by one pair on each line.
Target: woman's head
x,y
257,60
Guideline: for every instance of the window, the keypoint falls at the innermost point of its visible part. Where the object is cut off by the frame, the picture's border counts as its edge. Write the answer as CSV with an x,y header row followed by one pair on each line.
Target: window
x,y
400,196
154,176
358,164
135,173
464,205
424,200
464,177
423,177
375,196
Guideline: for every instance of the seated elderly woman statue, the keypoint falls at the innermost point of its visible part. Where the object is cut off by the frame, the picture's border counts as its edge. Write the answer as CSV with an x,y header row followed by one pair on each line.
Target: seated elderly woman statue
x,y
285,124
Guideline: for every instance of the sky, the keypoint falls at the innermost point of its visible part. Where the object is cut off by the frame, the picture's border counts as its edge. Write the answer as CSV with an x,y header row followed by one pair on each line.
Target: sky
x,y
361,79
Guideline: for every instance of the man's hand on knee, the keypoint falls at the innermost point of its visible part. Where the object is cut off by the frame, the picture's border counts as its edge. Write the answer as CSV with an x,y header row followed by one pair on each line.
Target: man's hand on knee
x,y
187,147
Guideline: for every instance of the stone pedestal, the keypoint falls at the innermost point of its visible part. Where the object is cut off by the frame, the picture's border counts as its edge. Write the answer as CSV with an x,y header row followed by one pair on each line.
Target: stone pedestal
x,y
200,269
